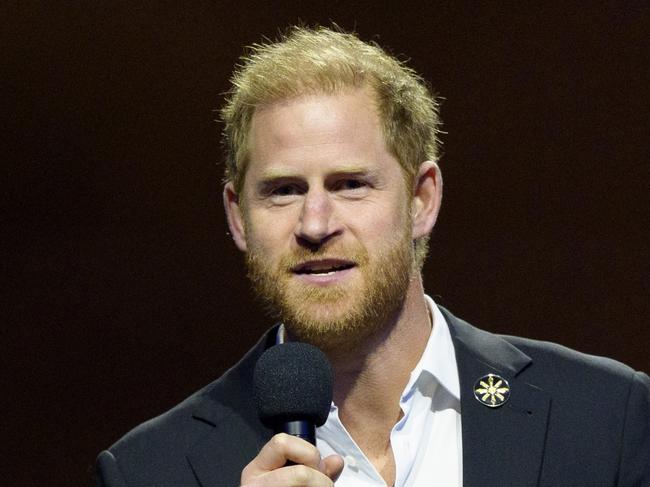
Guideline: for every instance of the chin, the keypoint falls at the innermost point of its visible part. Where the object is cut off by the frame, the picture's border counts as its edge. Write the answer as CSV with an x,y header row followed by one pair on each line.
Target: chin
x,y
333,333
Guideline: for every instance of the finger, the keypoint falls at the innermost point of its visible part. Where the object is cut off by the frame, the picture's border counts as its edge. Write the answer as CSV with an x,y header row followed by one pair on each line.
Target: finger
x,y
332,466
293,476
280,449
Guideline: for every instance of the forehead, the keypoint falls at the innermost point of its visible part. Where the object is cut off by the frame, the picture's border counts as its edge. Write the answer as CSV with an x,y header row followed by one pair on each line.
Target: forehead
x,y
343,127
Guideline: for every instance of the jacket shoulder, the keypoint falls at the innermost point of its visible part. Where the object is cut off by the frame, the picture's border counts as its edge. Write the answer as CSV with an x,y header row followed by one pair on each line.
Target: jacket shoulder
x,y
547,362
565,360
178,423
153,453
599,406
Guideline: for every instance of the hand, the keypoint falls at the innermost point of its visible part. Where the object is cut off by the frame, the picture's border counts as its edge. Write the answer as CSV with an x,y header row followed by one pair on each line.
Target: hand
x,y
268,467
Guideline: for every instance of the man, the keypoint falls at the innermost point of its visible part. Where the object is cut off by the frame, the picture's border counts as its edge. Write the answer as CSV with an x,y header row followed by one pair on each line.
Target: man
x,y
332,191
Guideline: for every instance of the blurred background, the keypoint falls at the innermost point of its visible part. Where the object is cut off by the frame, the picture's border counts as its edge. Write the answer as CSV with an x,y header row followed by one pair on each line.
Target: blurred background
x,y
121,291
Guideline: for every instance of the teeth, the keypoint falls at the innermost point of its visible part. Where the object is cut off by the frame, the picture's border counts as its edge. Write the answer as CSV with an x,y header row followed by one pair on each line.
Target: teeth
x,y
321,271
324,271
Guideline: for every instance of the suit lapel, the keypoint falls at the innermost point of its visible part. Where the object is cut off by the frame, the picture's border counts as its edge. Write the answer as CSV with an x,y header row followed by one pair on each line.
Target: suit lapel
x,y
236,435
217,460
503,445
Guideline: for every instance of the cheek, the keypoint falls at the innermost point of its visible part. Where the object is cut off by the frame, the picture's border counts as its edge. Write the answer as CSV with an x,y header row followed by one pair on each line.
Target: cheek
x,y
379,231
383,219
268,233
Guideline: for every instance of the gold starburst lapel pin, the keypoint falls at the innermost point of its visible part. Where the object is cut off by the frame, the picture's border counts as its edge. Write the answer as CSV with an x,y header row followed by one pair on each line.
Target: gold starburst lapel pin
x,y
492,391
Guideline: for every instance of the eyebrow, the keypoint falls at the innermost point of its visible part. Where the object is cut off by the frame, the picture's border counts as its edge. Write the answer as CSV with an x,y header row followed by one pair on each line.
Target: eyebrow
x,y
275,174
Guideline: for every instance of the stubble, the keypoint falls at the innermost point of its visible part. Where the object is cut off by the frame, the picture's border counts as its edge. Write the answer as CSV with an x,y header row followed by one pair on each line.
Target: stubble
x,y
336,318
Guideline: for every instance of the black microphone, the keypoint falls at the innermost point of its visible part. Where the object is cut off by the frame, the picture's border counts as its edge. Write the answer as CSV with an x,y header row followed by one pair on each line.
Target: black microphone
x,y
293,389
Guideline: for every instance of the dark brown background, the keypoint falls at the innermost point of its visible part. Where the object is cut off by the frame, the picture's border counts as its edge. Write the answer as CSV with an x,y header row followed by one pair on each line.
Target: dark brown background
x,y
122,293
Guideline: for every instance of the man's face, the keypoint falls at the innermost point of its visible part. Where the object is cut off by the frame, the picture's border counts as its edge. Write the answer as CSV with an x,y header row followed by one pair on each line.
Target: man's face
x,y
325,218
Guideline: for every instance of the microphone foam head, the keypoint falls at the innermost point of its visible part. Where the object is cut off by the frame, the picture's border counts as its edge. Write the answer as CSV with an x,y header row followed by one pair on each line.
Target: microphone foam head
x,y
293,382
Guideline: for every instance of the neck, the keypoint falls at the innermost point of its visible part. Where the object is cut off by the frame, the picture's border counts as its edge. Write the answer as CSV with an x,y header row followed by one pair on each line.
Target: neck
x,y
369,381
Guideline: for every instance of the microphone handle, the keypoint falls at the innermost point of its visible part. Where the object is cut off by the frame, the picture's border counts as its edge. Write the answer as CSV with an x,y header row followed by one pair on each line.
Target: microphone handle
x,y
302,429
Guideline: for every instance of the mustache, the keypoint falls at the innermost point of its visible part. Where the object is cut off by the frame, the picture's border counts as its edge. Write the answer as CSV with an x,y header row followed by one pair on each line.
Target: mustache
x,y
298,257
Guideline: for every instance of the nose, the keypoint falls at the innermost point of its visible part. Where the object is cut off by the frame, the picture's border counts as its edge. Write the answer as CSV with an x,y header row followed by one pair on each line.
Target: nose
x,y
315,225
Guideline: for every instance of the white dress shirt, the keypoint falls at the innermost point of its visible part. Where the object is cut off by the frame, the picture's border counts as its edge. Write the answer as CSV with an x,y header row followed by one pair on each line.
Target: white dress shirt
x,y
426,441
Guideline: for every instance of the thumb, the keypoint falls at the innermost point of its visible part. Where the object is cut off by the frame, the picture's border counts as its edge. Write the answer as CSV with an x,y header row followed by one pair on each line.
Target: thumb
x,y
332,466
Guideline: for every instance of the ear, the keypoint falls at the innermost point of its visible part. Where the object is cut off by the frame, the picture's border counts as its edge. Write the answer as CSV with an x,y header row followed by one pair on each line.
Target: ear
x,y
427,197
234,216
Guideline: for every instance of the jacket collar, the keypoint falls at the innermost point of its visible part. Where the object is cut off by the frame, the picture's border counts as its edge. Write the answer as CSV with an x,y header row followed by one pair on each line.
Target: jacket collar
x,y
504,445
236,435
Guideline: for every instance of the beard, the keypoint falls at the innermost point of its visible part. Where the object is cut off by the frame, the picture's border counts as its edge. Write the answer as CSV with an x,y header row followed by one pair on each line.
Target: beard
x,y
336,317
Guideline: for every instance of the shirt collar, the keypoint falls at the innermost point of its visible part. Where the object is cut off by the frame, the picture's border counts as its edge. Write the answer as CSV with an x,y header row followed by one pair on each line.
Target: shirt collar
x,y
438,358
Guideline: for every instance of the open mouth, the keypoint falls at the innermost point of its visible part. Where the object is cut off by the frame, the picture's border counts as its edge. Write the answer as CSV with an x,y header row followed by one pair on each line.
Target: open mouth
x,y
322,267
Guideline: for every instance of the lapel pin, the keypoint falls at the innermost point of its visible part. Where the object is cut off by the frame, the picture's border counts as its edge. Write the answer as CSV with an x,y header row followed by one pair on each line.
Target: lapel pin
x,y
492,390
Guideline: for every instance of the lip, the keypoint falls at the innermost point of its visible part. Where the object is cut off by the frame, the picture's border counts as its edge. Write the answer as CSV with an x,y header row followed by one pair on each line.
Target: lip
x,y
340,270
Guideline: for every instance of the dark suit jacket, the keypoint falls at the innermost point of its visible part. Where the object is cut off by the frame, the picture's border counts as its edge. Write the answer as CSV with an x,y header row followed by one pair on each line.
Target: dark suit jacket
x,y
571,420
